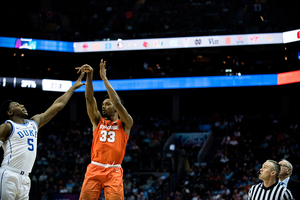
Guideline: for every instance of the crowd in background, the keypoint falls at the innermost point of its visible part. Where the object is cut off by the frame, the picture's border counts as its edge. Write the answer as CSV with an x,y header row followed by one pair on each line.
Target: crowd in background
x,y
127,19
245,142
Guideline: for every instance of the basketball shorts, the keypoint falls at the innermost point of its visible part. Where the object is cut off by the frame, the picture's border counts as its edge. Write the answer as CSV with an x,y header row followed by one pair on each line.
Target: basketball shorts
x,y
13,185
98,177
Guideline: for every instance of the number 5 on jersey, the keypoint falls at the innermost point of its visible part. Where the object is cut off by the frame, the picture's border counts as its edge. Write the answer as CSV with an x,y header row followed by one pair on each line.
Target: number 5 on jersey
x,y
30,143
107,136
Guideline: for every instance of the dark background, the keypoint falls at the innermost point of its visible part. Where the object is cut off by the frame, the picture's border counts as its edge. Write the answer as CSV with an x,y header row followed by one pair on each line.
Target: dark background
x,y
129,19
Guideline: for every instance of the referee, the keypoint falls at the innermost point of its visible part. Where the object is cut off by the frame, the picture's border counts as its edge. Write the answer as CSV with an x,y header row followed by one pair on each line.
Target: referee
x,y
269,189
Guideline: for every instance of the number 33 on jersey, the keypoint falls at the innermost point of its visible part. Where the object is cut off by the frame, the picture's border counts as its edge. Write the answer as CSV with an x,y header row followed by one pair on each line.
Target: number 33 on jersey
x,y
107,136
109,142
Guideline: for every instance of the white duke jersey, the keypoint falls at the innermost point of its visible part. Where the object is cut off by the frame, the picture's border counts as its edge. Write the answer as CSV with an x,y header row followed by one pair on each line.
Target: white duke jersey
x,y
20,147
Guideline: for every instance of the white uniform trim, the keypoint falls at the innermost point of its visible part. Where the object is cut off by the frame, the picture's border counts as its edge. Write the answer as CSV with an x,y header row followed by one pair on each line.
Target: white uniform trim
x,y
18,171
106,165
13,185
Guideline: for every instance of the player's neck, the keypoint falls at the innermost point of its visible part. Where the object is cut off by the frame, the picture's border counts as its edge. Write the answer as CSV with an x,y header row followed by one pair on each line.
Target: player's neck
x,y
112,118
18,120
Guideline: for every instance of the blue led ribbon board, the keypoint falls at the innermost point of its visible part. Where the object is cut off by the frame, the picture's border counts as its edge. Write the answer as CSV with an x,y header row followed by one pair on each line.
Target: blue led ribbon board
x,y
36,44
186,82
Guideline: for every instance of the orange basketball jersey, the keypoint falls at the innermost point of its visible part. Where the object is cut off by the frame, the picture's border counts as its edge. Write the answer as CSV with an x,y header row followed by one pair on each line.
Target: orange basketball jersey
x,y
109,142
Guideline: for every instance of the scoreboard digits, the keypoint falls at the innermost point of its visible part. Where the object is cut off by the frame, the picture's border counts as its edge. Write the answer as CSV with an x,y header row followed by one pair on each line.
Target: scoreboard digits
x,y
27,83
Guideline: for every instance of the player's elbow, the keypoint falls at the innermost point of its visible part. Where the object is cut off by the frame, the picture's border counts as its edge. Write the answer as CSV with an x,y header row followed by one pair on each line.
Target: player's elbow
x,y
128,121
58,106
130,124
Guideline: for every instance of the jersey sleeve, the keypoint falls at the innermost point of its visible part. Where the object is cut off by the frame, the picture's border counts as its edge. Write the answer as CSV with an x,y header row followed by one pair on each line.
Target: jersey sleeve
x,y
288,195
250,191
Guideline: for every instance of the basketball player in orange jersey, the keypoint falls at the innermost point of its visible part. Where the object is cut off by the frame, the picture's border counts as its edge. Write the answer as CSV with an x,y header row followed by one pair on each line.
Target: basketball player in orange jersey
x,y
111,130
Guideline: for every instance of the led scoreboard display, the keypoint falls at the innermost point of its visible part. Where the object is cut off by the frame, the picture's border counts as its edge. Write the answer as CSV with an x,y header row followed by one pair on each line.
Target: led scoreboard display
x,y
14,82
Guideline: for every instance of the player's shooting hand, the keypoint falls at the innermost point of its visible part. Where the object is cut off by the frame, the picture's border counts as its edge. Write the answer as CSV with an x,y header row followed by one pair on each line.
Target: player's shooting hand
x,y
103,69
85,68
78,83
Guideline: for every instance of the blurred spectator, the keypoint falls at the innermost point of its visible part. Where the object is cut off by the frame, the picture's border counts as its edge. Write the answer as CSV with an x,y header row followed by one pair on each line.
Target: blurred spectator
x,y
43,176
226,140
70,185
235,195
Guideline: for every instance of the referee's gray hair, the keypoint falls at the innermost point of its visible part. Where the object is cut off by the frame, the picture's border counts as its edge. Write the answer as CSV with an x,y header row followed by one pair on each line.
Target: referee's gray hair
x,y
289,165
276,166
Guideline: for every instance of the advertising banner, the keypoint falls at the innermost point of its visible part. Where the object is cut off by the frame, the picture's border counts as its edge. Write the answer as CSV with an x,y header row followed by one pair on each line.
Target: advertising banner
x,y
191,139
178,42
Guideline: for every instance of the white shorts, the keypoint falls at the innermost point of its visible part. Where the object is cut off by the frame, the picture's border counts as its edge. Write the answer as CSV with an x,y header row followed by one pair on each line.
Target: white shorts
x,y
13,185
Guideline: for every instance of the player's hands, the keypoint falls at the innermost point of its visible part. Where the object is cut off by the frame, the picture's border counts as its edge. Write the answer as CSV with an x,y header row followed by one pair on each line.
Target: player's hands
x,y
103,69
85,68
78,83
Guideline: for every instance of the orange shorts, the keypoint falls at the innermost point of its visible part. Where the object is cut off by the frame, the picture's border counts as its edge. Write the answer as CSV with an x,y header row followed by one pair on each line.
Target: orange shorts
x,y
97,177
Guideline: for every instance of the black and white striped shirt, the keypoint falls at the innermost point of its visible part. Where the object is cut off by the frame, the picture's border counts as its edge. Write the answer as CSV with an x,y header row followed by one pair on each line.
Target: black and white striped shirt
x,y
274,192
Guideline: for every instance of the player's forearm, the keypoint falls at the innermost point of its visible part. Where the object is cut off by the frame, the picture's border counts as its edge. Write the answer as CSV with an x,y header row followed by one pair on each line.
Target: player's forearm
x,y
61,101
58,105
114,97
89,91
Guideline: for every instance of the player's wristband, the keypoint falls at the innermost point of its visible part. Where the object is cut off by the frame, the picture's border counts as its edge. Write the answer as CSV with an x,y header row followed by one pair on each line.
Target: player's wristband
x,y
1,143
